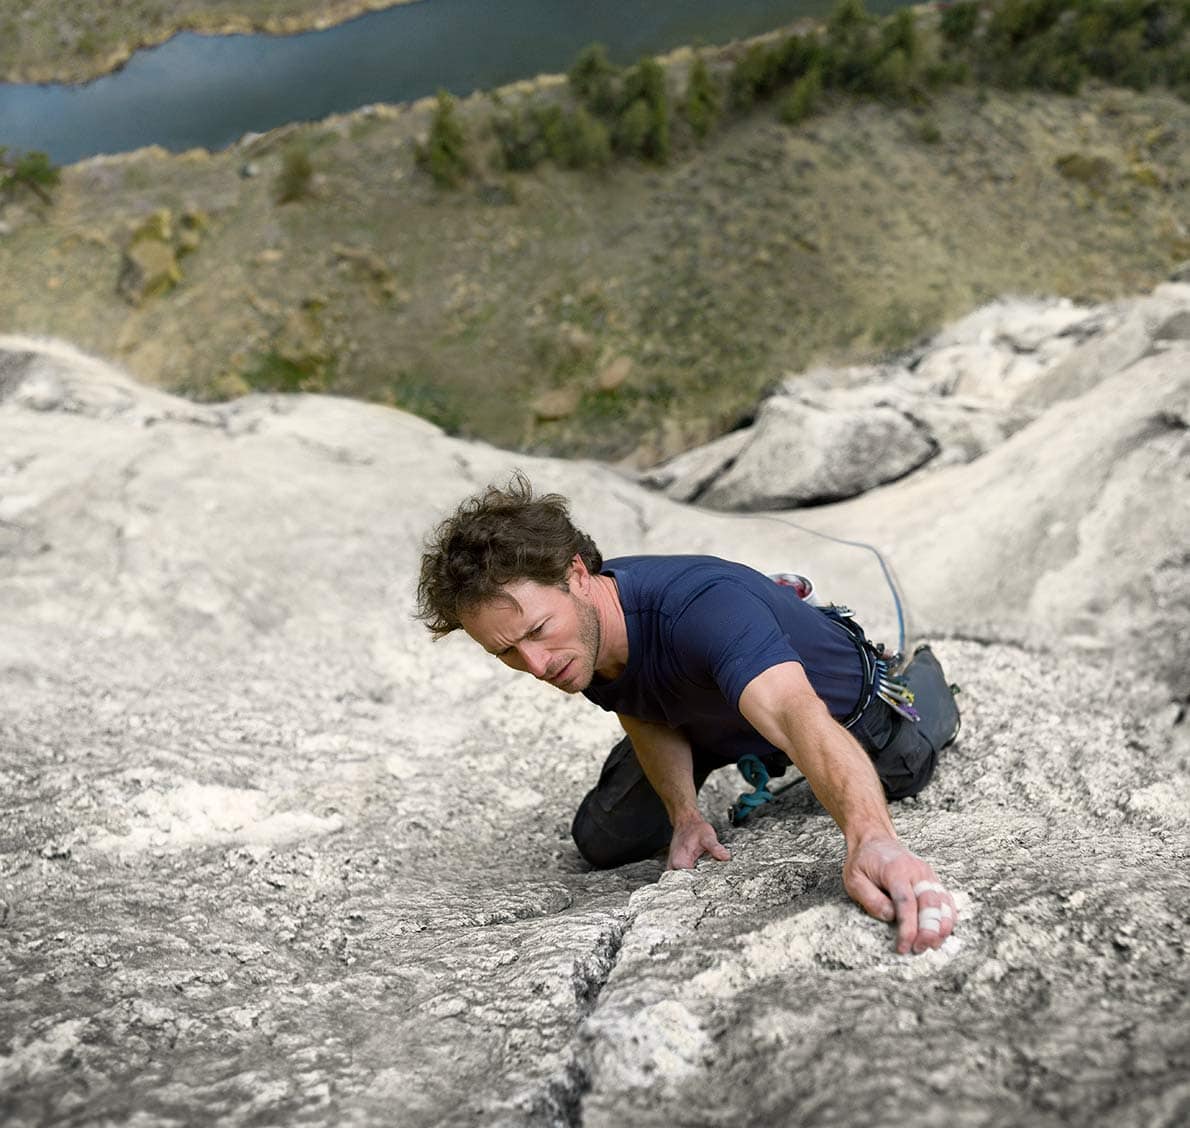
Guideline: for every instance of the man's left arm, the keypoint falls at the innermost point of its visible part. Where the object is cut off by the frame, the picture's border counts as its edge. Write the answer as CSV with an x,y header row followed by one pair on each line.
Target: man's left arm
x,y
880,874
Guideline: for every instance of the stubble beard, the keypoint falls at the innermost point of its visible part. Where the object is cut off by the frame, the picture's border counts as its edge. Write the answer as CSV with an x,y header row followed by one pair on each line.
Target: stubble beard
x,y
590,637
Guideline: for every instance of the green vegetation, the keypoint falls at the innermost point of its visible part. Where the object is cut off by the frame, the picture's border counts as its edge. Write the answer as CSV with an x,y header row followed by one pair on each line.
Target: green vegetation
x,y
803,98
642,123
1051,45
752,251
571,139
296,175
277,371
443,155
593,81
418,394
31,171
703,102
616,112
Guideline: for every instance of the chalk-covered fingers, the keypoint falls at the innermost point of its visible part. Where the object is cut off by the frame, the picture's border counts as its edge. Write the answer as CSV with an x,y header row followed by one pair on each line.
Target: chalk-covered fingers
x,y
936,914
891,882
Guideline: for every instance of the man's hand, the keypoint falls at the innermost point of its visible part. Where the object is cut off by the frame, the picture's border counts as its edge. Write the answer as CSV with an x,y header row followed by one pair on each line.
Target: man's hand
x,y
693,837
890,883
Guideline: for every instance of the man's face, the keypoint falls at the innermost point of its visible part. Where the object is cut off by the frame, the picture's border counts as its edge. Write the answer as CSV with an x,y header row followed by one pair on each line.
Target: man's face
x,y
544,631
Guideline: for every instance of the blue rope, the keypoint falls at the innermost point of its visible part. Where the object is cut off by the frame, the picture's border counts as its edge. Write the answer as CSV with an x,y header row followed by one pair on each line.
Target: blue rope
x,y
755,773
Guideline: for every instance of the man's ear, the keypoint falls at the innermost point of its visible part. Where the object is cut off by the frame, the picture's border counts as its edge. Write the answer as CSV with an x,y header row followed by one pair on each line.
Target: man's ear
x,y
579,572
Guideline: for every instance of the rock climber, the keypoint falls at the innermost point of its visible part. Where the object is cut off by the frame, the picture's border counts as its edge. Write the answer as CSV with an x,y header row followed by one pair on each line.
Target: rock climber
x,y
703,661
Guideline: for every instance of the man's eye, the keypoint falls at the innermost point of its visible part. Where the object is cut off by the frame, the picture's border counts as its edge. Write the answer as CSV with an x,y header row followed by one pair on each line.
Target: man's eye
x,y
536,631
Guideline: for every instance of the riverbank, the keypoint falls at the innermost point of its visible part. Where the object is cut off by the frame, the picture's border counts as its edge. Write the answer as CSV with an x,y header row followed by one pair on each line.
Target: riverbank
x,y
46,41
633,312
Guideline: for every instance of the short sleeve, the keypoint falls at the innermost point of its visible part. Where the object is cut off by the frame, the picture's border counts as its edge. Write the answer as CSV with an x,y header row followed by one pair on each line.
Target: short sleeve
x,y
726,636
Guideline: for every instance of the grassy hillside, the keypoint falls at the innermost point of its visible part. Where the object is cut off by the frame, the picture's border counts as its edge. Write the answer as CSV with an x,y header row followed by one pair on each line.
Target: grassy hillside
x,y
764,248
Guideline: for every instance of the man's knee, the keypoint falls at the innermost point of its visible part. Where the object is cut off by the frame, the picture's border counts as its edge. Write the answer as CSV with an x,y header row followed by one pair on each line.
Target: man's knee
x,y
607,842
621,819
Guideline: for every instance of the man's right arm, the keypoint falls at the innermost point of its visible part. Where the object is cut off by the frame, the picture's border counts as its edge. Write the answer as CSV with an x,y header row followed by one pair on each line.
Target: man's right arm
x,y
664,755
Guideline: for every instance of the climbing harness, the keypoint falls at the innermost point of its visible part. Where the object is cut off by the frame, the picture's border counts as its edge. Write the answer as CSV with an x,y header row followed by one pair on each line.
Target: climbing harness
x,y
879,680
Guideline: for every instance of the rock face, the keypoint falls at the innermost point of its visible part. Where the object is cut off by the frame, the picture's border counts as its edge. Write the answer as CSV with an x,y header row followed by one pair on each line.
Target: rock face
x,y
270,855
828,435
1058,502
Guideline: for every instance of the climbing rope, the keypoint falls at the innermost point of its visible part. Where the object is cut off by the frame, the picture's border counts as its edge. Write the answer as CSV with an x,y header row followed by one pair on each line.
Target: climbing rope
x,y
885,567
885,685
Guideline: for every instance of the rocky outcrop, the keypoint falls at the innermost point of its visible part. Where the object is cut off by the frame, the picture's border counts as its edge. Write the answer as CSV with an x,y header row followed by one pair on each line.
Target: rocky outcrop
x,y
1071,525
150,266
802,452
270,853
828,435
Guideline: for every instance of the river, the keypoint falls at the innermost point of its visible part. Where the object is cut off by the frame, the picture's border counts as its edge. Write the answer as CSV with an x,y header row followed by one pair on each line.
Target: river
x,y
208,91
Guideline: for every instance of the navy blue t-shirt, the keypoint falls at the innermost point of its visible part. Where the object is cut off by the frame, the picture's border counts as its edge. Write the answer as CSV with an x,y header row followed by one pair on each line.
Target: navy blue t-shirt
x,y
699,630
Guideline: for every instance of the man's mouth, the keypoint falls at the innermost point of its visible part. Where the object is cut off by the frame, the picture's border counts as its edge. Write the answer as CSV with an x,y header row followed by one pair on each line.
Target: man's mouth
x,y
561,673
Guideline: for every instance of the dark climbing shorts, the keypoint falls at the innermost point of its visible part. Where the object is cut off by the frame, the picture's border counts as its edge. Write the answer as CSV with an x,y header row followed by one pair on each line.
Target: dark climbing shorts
x,y
622,819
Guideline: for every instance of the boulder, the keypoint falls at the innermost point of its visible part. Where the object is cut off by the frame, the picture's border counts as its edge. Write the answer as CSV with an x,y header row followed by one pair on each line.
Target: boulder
x,y
685,477
611,378
558,403
800,453
1103,354
149,269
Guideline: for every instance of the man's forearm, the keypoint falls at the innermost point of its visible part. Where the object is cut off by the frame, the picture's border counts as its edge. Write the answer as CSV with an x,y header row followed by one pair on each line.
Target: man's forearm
x,y
844,780
783,707
664,756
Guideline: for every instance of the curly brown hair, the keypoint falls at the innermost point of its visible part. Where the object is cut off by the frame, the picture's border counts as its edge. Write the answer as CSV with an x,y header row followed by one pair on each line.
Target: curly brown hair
x,y
498,537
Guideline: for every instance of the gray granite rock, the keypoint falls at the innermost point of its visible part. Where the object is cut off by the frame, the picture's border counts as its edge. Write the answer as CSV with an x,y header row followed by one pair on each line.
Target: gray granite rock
x,y
801,453
271,856
829,434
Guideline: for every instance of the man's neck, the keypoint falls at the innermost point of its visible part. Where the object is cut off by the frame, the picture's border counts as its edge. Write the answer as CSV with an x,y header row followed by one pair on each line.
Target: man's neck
x,y
613,630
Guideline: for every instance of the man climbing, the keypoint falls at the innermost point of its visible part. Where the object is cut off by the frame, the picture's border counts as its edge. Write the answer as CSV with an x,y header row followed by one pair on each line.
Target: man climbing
x,y
704,661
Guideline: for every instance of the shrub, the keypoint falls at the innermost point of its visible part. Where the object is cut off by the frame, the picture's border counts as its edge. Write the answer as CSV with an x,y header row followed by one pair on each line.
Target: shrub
x,y
297,171
582,141
521,141
419,394
847,17
958,22
33,171
899,33
632,128
592,80
893,76
572,140
852,50
444,154
796,56
802,100
928,132
756,75
275,371
703,101
764,69
642,126
1093,171
1015,21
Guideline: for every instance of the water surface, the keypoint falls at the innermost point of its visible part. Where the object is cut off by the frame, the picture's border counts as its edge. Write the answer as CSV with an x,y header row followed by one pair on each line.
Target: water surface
x,y
208,91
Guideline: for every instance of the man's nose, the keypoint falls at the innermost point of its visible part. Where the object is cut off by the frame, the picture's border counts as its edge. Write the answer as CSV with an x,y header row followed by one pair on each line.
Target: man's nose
x,y
535,659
